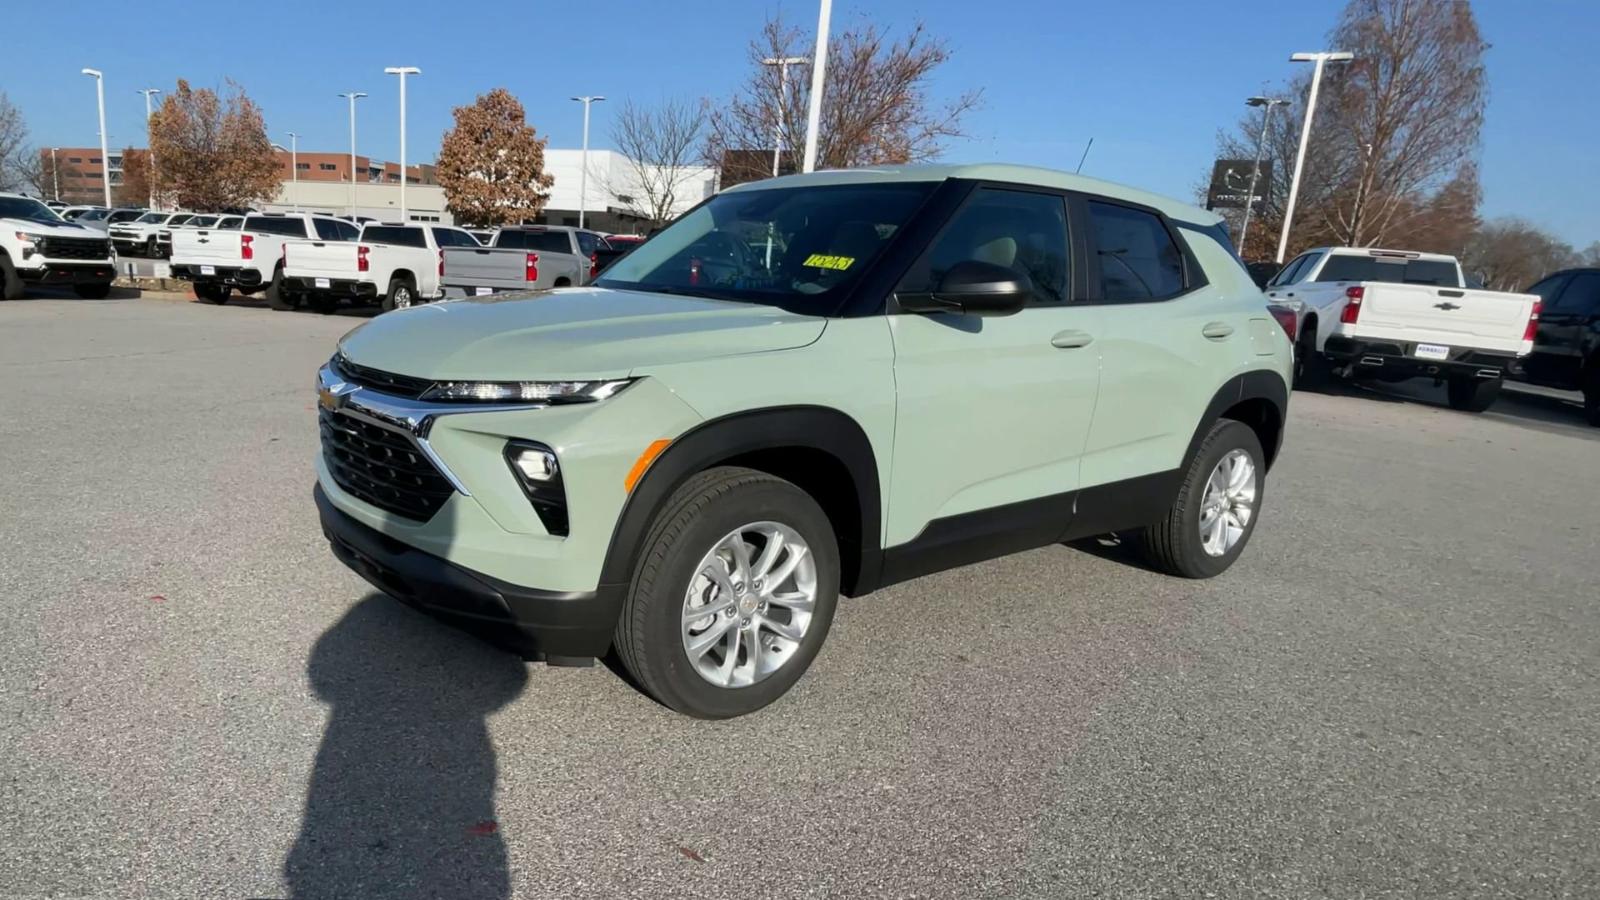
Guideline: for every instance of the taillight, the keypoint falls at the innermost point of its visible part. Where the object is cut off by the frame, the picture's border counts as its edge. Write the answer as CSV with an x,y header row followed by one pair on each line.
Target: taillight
x,y
441,263
694,271
361,258
594,265
1352,304
245,250
1287,318
1532,330
532,272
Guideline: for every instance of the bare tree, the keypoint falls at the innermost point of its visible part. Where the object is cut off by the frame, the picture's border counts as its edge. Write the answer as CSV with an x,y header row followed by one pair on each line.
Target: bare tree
x,y
491,164
875,108
14,150
1511,254
1396,132
661,146
214,152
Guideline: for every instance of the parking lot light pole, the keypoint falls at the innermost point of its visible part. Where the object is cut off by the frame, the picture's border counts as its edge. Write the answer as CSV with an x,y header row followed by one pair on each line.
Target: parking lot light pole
x,y
150,144
583,176
353,96
294,170
1319,59
105,154
55,172
403,71
783,64
1255,171
819,72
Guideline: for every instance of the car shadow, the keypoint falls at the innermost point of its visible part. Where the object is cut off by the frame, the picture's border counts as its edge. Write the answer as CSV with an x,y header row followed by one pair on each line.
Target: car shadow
x,y
1557,412
56,292
259,302
1118,548
401,798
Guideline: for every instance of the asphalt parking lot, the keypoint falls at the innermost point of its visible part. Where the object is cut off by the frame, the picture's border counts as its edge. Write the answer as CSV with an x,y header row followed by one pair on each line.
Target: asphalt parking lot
x,y
1393,694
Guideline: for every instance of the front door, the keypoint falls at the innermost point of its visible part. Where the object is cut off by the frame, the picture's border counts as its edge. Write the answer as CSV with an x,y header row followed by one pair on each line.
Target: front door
x,y
993,411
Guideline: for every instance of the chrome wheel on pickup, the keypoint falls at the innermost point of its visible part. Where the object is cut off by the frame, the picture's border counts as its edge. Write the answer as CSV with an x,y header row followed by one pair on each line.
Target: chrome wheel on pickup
x,y
750,604
734,593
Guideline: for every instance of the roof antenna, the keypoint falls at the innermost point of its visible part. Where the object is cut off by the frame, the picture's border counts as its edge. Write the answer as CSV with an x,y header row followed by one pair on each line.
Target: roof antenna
x,y
1083,157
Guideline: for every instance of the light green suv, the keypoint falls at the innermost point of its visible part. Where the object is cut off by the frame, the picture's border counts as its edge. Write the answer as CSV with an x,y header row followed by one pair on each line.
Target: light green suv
x,y
810,386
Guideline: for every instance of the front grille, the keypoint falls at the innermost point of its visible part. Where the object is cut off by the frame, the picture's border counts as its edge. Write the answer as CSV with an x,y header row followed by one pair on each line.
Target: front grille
x,y
384,382
381,467
75,248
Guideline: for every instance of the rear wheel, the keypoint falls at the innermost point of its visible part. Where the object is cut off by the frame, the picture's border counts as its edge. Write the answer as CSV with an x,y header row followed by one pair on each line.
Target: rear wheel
x,y
733,595
1471,394
10,284
1215,511
562,282
402,293
94,291
278,296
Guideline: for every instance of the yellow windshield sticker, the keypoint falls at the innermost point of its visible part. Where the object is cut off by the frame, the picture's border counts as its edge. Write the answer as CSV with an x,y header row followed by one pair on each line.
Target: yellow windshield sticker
x,y
823,261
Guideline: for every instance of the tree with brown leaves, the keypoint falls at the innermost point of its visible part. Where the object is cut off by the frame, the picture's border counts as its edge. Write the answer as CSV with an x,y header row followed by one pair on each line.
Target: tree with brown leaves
x,y
491,164
137,175
660,146
875,106
1395,138
214,153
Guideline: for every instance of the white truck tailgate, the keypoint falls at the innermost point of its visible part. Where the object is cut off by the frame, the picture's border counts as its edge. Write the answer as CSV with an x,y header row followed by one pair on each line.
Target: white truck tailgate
x,y
320,259
1490,320
205,246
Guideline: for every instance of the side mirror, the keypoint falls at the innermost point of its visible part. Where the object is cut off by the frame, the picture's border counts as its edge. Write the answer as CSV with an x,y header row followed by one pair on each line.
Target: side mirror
x,y
973,288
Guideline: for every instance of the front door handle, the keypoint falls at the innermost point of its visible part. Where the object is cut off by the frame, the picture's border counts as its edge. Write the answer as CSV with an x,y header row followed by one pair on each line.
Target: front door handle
x,y
1071,339
1217,330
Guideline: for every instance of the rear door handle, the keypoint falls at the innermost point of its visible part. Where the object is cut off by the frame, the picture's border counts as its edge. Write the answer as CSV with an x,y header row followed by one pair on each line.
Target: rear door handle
x,y
1071,339
1217,330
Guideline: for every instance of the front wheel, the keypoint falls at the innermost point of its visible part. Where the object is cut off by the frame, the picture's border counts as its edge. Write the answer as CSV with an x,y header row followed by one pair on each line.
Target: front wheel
x,y
1472,394
95,291
733,595
10,283
1215,511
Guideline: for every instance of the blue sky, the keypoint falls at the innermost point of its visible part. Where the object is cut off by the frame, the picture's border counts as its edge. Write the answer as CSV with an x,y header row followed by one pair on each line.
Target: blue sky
x,y
1149,80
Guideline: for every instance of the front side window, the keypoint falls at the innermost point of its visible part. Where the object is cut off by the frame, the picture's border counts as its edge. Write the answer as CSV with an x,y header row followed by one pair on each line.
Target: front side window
x,y
1022,231
798,248
1137,256
328,229
1288,273
179,219
588,242
1582,296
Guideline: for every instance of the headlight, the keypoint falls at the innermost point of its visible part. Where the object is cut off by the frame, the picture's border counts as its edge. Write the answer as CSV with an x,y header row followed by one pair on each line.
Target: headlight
x,y
29,238
524,391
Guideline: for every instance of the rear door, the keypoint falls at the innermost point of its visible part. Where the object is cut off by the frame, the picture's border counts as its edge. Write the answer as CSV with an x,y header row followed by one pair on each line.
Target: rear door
x,y
993,412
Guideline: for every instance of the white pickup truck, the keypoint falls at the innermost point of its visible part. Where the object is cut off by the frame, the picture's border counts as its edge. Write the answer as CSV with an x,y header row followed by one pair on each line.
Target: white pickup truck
x,y
249,259
39,247
396,265
1396,314
524,258
142,236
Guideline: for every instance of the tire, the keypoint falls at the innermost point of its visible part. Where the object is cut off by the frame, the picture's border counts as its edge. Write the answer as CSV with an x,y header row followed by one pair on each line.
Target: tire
x,y
10,284
1591,396
95,291
1311,369
562,282
402,294
1175,545
212,292
277,296
1471,394
152,249
694,526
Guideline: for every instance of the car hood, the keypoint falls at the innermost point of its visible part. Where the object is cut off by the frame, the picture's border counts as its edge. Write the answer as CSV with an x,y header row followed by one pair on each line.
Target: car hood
x,y
570,333
57,229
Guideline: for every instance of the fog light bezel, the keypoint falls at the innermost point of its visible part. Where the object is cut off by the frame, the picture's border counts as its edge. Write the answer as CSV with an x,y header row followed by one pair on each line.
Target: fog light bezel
x,y
548,495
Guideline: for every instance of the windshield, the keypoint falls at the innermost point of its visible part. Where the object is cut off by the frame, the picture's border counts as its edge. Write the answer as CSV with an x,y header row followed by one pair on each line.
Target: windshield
x,y
92,215
27,210
202,221
153,217
799,248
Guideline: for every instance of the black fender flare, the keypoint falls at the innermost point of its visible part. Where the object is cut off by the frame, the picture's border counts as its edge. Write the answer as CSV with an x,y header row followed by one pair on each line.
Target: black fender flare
x,y
718,440
1260,384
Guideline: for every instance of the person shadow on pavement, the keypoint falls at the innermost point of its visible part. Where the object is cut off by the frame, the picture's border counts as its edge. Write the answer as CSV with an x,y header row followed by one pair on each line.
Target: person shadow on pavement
x,y
401,801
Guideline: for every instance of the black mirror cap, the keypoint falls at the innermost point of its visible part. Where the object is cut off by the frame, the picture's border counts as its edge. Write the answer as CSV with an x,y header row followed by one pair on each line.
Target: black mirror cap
x,y
974,288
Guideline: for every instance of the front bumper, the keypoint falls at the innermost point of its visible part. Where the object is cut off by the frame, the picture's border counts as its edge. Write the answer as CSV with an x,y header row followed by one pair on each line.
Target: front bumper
x,y
69,273
557,627
1398,358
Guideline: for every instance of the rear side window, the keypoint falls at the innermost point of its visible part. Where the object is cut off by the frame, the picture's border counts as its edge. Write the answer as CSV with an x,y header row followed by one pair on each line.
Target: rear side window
x,y
276,225
588,243
1581,297
1138,258
1393,270
398,235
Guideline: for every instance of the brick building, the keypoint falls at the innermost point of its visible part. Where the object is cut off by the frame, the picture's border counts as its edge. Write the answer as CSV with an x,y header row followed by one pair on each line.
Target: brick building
x,y
77,172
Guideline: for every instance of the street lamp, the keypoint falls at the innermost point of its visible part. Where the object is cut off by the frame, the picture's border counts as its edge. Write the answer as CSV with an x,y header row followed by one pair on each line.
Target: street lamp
x,y
783,65
294,170
1319,59
105,155
1255,172
55,172
353,96
150,144
819,69
583,177
402,71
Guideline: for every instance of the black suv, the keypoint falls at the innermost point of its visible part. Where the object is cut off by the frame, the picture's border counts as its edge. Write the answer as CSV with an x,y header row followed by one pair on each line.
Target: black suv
x,y
1566,350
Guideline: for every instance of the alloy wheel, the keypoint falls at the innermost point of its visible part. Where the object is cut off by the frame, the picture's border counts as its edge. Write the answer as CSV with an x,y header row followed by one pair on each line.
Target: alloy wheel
x,y
1228,502
749,604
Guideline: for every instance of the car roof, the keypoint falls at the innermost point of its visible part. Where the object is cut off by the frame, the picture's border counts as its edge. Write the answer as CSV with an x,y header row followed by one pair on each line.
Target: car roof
x,y
1036,176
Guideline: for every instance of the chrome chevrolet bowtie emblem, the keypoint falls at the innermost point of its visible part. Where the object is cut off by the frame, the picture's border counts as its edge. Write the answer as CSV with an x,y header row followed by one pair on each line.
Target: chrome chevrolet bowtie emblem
x,y
333,396
1446,306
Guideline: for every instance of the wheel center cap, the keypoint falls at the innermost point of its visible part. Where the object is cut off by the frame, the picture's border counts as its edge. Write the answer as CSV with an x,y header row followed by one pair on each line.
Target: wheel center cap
x,y
748,603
